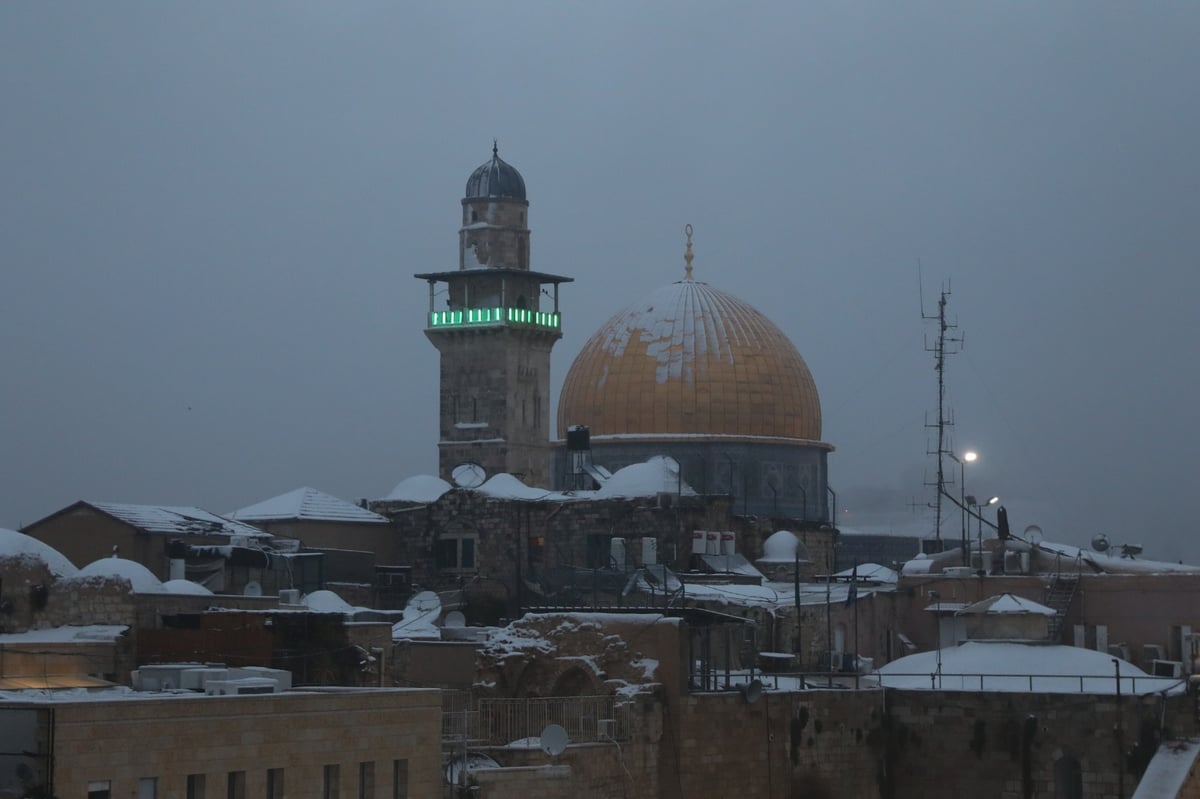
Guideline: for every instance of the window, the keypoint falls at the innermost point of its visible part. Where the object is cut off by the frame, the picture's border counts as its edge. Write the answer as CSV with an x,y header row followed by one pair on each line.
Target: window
x,y
366,781
195,786
399,779
1068,778
147,788
99,789
235,785
455,553
329,787
274,783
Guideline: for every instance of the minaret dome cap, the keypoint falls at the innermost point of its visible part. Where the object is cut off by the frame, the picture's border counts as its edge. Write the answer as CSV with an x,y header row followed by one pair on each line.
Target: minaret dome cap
x,y
496,179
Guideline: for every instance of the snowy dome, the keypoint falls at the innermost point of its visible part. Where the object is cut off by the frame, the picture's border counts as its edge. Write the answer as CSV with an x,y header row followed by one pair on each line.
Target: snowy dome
x,y
326,602
19,545
658,475
140,578
690,360
419,488
783,546
496,179
185,587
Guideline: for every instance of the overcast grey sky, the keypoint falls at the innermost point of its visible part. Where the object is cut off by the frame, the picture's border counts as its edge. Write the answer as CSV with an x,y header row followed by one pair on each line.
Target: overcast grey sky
x,y
211,214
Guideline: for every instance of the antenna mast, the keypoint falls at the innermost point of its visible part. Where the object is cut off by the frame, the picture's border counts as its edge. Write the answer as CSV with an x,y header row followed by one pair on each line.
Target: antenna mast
x,y
945,344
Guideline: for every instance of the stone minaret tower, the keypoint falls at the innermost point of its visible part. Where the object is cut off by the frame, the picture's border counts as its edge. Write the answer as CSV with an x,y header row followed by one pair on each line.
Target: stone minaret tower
x,y
494,325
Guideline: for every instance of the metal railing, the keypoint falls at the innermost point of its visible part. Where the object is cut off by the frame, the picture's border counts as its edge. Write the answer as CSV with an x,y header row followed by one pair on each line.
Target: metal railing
x,y
1040,683
496,722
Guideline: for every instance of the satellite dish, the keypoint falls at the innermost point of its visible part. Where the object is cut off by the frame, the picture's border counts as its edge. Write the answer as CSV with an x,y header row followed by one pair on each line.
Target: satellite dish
x,y
455,618
751,691
1100,543
554,740
469,760
425,601
1033,534
468,475
253,588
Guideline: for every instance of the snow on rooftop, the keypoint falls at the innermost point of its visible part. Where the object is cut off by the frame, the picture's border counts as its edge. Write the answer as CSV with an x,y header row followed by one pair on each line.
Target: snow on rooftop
x,y
141,579
307,504
657,475
73,634
1173,761
870,572
177,520
19,545
1114,564
419,488
1015,667
1008,604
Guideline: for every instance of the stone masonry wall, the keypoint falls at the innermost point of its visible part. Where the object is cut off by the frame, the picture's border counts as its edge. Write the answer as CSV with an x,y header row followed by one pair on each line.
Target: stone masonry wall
x,y
169,738
945,745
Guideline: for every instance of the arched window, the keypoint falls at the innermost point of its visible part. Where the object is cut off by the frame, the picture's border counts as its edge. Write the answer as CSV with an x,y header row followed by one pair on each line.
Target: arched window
x,y
1068,778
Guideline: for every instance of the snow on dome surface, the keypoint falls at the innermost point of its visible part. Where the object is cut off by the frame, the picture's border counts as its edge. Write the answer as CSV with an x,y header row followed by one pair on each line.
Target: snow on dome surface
x,y
505,486
782,547
658,475
1115,564
185,587
419,488
325,601
307,504
691,359
1006,666
19,545
140,578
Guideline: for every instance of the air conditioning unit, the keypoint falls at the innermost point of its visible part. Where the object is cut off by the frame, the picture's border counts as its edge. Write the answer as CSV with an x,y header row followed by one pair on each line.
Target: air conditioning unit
x,y
1119,651
1167,668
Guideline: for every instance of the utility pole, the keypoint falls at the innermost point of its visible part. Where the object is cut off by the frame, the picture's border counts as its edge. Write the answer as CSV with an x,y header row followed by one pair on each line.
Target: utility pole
x,y
946,343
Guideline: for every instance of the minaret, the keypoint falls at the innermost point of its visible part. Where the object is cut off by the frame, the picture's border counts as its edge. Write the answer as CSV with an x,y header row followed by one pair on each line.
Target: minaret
x,y
494,325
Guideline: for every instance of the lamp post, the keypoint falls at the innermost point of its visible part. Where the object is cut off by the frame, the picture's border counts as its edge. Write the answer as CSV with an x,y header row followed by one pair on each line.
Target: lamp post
x,y
968,457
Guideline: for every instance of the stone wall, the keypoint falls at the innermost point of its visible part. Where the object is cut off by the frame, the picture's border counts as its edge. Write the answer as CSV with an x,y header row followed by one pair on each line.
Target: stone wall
x,y
169,738
945,745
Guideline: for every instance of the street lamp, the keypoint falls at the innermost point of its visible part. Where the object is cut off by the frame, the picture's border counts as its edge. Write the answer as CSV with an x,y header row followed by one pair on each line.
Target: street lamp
x,y
968,457
979,506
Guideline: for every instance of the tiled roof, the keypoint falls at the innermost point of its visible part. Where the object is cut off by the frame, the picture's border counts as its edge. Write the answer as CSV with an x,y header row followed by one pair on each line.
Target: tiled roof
x,y
307,504
177,521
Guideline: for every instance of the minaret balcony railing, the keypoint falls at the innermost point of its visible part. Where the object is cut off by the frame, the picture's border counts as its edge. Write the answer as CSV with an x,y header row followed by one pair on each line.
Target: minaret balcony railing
x,y
494,317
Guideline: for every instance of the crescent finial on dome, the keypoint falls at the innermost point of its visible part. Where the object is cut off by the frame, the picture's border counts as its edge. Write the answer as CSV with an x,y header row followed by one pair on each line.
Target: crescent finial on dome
x,y
687,255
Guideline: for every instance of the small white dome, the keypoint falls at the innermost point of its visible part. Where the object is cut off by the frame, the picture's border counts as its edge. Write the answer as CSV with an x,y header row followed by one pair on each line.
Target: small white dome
x,y
783,546
419,488
17,545
326,602
141,578
185,587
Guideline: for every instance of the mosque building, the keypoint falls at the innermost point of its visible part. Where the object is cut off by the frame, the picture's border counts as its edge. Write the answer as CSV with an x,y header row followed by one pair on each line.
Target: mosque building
x,y
689,371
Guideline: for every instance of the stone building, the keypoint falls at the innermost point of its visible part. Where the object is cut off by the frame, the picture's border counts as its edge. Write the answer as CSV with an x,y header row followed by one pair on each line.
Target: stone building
x,y
364,742
494,332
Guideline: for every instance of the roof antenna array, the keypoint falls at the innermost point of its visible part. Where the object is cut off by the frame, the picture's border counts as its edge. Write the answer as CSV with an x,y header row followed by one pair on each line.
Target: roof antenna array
x,y
946,343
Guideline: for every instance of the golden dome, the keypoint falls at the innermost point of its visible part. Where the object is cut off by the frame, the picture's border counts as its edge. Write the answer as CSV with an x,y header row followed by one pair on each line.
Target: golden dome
x,y
690,360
